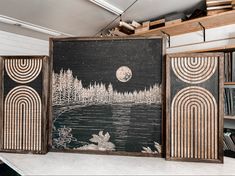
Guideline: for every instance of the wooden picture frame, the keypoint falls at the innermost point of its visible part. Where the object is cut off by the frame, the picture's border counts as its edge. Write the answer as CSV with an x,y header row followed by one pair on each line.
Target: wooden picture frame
x,y
185,142
25,83
54,55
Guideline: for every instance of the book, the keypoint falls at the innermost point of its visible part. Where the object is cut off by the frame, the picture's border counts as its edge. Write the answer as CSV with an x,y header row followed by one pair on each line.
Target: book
x,y
229,67
233,66
225,145
229,141
233,137
226,102
225,67
229,103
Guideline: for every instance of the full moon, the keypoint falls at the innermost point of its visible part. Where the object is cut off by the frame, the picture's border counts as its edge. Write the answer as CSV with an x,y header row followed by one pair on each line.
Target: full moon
x,y
123,73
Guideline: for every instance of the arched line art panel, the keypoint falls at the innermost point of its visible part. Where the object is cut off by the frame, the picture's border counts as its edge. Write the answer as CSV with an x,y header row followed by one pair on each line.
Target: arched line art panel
x,y
22,120
23,70
194,70
194,124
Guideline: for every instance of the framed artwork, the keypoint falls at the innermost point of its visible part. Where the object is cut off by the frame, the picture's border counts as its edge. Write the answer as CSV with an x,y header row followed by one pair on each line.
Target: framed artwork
x,y
194,107
107,95
24,100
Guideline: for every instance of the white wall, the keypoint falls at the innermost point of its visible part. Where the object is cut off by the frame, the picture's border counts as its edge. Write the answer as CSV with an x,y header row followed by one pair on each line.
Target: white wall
x,y
215,37
14,44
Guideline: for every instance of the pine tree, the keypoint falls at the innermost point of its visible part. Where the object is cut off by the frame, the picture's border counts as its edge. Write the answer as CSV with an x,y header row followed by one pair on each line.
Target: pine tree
x,y
67,90
110,93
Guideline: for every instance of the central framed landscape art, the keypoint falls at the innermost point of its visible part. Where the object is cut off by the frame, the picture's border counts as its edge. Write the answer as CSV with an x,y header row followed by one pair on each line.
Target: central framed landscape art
x,y
107,95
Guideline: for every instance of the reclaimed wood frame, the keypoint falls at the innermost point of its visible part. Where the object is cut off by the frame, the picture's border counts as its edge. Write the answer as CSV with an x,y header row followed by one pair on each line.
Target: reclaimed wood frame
x,y
44,100
220,102
51,40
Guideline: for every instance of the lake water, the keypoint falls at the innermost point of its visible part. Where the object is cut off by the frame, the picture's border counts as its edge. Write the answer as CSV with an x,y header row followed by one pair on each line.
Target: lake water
x,y
130,126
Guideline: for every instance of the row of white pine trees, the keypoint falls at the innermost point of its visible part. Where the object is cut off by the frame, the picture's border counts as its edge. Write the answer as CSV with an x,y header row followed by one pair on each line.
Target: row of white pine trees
x,y
68,90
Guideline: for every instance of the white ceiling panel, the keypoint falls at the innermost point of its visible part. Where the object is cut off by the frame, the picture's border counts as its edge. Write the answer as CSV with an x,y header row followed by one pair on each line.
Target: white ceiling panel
x,y
83,18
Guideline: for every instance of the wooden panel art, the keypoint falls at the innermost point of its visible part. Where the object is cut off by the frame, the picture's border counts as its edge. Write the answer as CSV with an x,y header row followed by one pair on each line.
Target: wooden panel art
x,y
24,104
194,107
107,95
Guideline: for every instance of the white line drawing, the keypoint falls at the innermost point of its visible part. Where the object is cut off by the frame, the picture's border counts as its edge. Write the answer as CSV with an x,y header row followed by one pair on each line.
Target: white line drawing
x,y
23,70
102,141
68,90
157,146
65,137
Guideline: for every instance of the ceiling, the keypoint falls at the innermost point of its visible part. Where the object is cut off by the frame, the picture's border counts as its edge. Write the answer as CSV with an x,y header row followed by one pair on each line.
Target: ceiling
x,y
83,18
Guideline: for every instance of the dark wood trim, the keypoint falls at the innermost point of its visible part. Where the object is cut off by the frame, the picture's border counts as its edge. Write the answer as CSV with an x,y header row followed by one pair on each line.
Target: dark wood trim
x,y
22,151
221,108
118,153
225,48
163,97
195,160
50,93
168,152
51,40
45,101
25,56
1,100
211,54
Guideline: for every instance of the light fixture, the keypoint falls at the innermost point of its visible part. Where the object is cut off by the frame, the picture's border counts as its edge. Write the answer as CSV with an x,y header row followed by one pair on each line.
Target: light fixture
x,y
105,5
16,22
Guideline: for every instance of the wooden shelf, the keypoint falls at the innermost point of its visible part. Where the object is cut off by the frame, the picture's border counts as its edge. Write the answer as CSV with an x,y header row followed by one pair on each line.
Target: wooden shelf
x,y
208,22
229,83
224,48
229,117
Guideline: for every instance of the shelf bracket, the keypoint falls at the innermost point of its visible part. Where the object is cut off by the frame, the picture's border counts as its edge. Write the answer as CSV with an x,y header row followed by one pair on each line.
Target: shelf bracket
x,y
168,37
203,30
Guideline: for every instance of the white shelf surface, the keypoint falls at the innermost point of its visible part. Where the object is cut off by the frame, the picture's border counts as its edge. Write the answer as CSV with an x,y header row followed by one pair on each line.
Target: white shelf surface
x,y
84,164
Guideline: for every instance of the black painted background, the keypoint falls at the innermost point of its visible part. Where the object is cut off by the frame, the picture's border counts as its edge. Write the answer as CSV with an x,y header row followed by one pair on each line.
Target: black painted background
x,y
9,84
211,84
97,61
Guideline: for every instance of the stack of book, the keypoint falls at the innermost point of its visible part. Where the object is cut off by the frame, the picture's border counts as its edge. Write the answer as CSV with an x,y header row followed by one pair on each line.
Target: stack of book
x,y
233,4
218,6
229,141
229,67
229,101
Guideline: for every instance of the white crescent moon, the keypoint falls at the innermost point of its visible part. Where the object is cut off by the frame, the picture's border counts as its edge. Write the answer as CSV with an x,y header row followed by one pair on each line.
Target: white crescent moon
x,y
123,74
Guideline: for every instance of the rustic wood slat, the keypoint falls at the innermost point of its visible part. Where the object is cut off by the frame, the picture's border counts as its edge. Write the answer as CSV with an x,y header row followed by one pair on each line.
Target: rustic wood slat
x,y
24,120
194,112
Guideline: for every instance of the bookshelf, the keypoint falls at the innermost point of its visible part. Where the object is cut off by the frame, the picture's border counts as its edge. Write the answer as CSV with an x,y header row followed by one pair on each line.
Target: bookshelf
x,y
201,24
221,19
229,100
